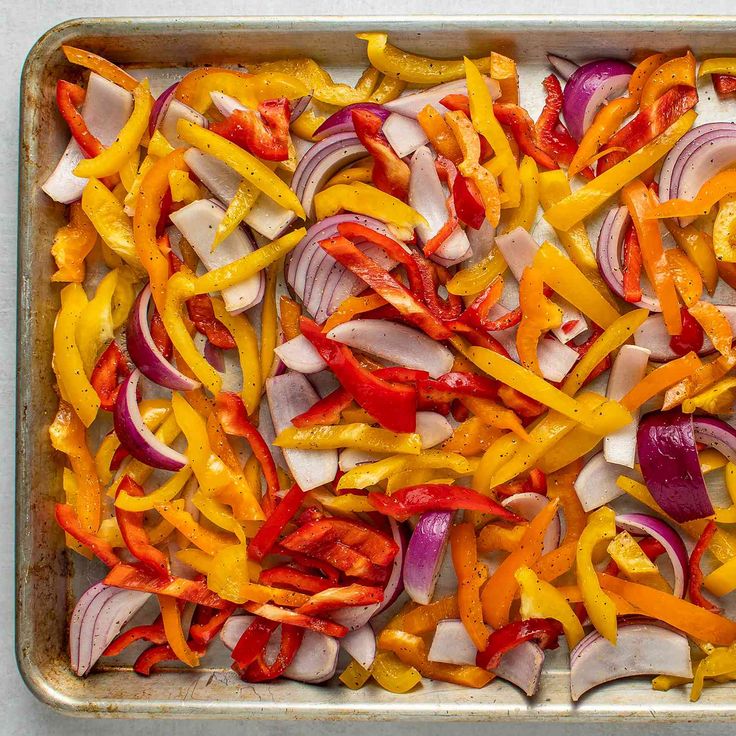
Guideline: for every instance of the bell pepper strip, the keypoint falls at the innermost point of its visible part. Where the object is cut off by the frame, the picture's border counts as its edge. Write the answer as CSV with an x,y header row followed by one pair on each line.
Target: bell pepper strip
x,y
525,214
325,411
237,210
112,159
109,370
269,322
504,71
412,650
629,558
67,361
134,534
476,313
631,267
153,633
152,656
695,580
253,641
390,173
699,249
724,84
171,618
260,671
424,619
68,98
499,591
94,328
660,379
362,171
724,229
586,200
168,491
136,577
72,244
468,202
440,135
254,171
720,65
492,538
672,73
552,136
472,280
518,403
695,621
393,406
357,436
718,399
522,128
265,133
292,618
470,576
101,66
290,577
340,597
649,123
407,67
388,90
719,665
205,539
355,676
289,313
183,189
68,520
544,631
715,324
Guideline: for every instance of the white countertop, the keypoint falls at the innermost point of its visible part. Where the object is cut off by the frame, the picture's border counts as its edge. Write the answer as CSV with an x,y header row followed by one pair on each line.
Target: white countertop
x,y
24,21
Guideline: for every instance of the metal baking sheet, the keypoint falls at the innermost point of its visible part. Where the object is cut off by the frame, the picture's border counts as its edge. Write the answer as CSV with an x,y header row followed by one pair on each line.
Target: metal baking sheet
x,y
46,574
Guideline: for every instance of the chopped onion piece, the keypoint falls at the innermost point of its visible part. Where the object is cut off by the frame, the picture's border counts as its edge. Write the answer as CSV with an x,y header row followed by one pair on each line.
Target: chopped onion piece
x,y
404,134
298,354
596,482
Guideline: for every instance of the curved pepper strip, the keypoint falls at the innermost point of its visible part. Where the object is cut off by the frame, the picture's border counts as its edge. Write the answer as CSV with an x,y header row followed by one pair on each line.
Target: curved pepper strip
x,y
72,244
470,578
473,280
168,491
504,71
525,214
68,98
679,71
269,321
587,199
517,120
715,324
94,327
68,520
101,66
718,399
719,665
660,379
629,558
356,435
545,632
171,618
553,136
439,133
695,581
687,278
699,249
113,158
207,540
389,89
601,610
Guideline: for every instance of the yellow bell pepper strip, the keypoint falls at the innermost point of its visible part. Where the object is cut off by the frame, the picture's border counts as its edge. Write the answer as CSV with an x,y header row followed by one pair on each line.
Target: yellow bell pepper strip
x,y
392,674
113,158
364,199
72,244
471,437
567,280
719,665
470,578
632,561
586,200
526,213
207,540
67,361
108,217
389,89
673,72
411,68
699,249
504,71
228,575
246,341
601,610
95,328
695,621
158,146
68,435
350,308
167,492
718,399
439,133
358,436
180,288
183,189
639,201
70,486
171,618
361,172
719,65
355,676
253,170
612,338
475,279
724,230
240,205
660,379
269,321
715,324
499,591
539,599
306,125
484,121
412,650
247,266
492,538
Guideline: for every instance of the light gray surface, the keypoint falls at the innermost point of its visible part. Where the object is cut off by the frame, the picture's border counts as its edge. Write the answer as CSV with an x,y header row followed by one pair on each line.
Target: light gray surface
x,y
24,22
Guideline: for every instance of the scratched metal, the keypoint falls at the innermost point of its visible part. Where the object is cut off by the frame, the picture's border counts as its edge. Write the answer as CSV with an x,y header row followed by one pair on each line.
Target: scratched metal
x,y
46,576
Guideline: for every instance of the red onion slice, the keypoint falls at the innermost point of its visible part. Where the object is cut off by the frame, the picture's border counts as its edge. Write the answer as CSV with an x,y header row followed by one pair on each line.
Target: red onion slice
x,y
668,457
214,356
350,458
106,109
667,537
528,505
198,223
404,134
133,434
433,428
596,482
629,367
342,120
289,395
413,103
360,644
642,649
564,67
298,354
717,434
159,107
425,553
451,644
174,112
588,88
144,353
396,343
482,242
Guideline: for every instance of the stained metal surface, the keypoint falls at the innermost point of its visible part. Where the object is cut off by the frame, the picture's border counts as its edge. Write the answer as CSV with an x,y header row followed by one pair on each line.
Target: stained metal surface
x,y
44,571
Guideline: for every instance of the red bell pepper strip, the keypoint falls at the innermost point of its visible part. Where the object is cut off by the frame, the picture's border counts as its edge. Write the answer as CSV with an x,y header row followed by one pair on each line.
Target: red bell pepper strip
x,y
153,656
544,631
347,595
324,411
401,375
207,623
268,534
436,241
292,618
109,371
265,135
632,266
68,98
456,384
479,338
648,124
384,284
153,633
289,577
695,584
134,534
393,406
724,84
68,520
437,497
476,313
583,348
330,572
468,204
390,174
234,419
253,641
136,577
691,338
117,458
260,671
522,128
160,337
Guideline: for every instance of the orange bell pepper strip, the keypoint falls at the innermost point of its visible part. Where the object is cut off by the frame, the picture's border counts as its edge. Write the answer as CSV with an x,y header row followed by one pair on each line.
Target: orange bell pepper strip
x,y
660,379
504,71
439,134
68,520
412,650
495,415
72,244
695,621
350,308
471,437
171,618
290,312
679,71
153,189
715,189
501,587
493,537
424,619
640,201
538,315
470,578
642,74
715,324
703,377
699,249
205,539
686,276
100,66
